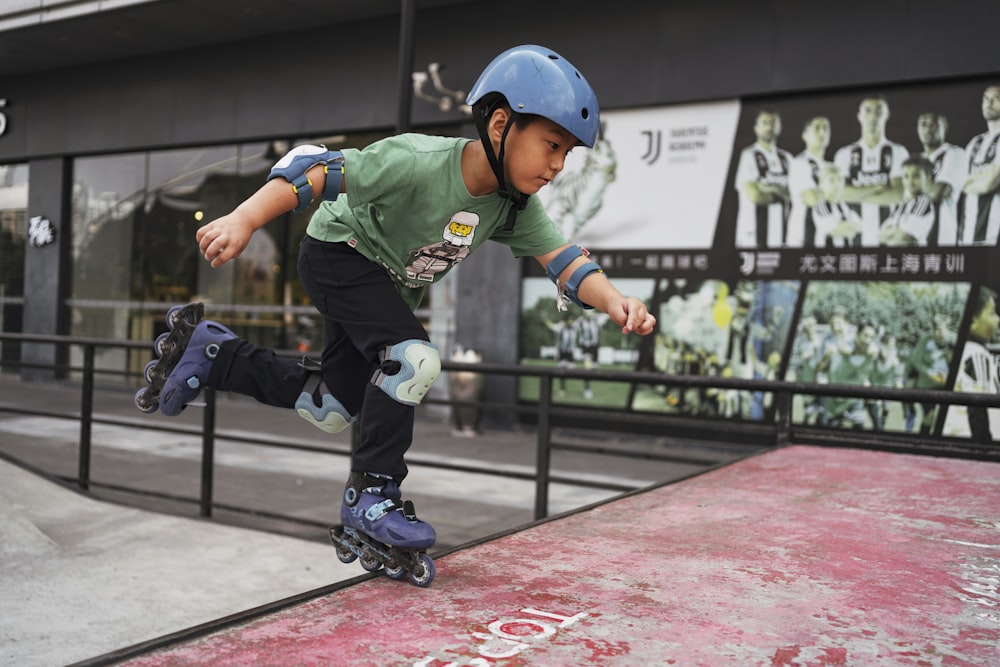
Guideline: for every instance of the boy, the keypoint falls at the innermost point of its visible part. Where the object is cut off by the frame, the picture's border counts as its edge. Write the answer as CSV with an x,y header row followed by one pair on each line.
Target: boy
x,y
397,216
836,223
913,221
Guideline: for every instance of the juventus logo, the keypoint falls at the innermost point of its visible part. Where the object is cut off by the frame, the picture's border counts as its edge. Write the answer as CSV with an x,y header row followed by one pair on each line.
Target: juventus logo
x,y
654,141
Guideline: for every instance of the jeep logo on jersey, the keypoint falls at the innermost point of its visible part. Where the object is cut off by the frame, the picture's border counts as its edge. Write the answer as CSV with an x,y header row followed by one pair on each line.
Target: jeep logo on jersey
x,y
40,232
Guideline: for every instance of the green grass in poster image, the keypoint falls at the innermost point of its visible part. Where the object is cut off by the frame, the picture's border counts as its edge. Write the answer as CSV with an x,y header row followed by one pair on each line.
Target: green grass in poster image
x,y
896,417
604,394
707,402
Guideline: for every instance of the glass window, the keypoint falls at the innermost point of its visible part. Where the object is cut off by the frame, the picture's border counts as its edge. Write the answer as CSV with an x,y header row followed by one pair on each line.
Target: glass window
x,y
13,234
108,196
134,219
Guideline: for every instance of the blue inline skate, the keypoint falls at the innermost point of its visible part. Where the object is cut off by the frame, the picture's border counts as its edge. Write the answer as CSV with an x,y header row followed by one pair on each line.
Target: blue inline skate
x,y
185,354
383,531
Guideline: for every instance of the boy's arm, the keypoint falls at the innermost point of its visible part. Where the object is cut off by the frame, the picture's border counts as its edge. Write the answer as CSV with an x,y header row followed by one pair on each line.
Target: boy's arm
x,y
596,290
225,238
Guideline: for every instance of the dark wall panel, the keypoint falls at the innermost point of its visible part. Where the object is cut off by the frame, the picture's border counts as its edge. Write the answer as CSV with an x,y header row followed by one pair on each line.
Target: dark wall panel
x,y
344,77
841,44
943,39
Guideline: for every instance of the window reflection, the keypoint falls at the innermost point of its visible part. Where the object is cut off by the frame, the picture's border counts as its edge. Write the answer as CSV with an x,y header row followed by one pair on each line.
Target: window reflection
x,y
134,218
13,235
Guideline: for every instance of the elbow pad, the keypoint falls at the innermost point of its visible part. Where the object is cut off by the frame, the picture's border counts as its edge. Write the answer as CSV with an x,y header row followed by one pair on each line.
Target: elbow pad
x,y
298,161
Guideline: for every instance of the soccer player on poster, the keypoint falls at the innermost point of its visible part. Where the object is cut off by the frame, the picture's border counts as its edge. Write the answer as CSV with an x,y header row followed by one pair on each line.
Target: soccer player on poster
x,y
803,183
762,185
979,204
872,168
949,173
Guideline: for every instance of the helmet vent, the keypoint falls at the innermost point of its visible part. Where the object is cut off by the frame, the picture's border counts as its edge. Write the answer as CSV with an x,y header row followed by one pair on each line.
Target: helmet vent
x,y
584,113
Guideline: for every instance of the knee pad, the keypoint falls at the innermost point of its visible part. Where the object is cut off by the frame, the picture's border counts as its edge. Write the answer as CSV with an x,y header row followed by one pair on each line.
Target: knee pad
x,y
329,415
407,370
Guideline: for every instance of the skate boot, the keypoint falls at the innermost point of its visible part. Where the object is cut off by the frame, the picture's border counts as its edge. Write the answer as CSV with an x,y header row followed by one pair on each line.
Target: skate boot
x,y
383,531
185,359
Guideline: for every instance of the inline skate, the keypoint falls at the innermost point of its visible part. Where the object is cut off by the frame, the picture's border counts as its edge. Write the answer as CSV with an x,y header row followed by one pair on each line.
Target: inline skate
x,y
382,531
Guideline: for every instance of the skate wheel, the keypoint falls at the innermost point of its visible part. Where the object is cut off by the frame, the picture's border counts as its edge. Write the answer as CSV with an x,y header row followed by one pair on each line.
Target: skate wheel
x,y
160,344
143,403
396,573
173,316
423,574
147,372
345,555
370,561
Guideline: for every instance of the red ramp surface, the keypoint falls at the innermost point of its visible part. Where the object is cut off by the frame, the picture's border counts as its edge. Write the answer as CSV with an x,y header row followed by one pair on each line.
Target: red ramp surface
x,y
801,556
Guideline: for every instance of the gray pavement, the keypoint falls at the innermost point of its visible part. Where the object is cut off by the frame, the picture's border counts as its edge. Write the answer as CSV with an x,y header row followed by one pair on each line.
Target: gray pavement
x,y
83,574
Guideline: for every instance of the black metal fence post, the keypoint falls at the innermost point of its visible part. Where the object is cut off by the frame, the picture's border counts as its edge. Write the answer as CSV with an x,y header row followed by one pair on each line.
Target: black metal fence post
x,y
544,453
208,452
86,416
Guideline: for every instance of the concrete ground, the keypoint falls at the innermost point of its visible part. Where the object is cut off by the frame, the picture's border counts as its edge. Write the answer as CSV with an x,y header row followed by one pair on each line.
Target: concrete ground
x,y
82,575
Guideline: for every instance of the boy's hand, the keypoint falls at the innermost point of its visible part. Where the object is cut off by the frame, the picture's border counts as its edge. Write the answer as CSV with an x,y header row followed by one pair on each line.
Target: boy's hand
x,y
632,315
224,239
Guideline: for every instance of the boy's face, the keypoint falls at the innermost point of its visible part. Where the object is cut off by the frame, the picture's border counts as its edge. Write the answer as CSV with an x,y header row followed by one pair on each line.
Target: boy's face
x,y
914,180
830,183
864,339
536,153
984,324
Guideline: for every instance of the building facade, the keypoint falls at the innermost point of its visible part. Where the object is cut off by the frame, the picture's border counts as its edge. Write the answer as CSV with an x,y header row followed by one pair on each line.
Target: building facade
x,y
124,128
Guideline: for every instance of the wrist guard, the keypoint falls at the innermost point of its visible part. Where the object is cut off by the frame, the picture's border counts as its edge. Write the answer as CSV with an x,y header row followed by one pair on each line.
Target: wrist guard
x,y
570,289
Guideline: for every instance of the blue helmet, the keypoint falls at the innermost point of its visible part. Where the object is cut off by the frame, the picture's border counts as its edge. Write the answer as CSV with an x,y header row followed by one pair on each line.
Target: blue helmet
x,y
536,80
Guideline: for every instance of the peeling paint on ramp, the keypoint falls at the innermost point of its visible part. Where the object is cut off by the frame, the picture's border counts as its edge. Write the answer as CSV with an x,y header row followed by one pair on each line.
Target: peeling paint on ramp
x,y
803,556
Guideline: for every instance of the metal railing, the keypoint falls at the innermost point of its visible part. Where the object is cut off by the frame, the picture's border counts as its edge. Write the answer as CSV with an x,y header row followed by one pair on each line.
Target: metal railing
x,y
778,430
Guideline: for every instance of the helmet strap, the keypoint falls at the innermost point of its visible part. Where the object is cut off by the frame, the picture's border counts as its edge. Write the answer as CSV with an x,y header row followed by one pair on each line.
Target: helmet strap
x,y
517,199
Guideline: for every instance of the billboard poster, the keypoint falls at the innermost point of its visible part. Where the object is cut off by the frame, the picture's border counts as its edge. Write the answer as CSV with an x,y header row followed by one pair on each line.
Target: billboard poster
x,y
844,237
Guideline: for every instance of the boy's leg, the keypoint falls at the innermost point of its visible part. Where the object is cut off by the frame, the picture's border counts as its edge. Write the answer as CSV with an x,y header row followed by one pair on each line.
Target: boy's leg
x,y
216,357
244,368
364,315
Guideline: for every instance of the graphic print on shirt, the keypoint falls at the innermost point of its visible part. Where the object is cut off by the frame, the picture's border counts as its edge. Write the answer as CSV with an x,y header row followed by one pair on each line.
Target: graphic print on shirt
x,y
427,262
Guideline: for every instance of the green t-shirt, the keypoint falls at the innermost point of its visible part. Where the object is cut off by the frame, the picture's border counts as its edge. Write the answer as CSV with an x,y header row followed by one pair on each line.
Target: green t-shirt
x,y
406,208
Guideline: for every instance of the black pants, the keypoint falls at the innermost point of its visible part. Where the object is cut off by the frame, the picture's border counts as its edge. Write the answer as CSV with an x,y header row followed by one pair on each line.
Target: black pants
x,y
363,313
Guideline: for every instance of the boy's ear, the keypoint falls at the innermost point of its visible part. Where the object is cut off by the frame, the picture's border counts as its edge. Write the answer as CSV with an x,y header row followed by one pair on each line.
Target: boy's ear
x,y
497,123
